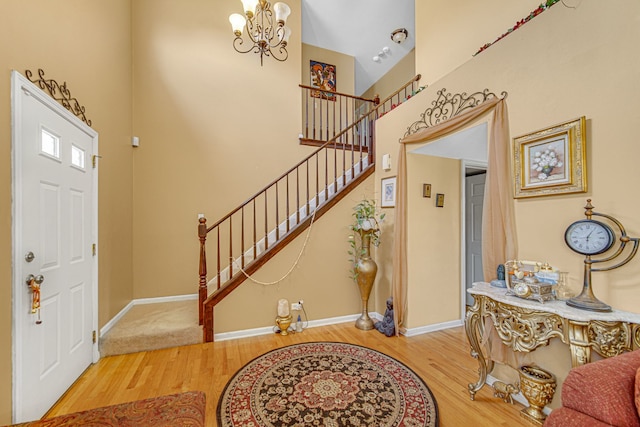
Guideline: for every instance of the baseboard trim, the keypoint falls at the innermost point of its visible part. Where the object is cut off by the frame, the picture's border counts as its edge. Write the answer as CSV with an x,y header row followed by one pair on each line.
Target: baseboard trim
x,y
165,299
224,336
233,334
110,324
266,330
412,332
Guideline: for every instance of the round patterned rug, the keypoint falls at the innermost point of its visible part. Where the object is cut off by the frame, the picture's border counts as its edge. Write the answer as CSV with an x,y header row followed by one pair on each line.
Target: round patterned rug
x,y
326,384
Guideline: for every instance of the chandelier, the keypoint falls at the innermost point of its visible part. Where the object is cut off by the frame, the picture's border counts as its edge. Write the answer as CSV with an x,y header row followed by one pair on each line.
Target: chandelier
x,y
263,35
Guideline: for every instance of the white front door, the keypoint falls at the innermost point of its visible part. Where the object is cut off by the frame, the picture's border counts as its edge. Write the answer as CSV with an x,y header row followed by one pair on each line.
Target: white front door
x,y
54,230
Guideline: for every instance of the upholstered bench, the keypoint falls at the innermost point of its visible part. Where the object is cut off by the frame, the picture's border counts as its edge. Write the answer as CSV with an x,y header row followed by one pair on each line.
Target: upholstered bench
x,y
182,409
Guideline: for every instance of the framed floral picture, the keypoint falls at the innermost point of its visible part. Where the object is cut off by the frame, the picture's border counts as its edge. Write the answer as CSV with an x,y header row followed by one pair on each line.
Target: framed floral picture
x,y
551,161
388,191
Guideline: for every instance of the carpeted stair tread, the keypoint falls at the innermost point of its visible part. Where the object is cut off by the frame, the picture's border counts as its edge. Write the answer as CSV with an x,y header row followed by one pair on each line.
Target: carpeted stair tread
x,y
148,327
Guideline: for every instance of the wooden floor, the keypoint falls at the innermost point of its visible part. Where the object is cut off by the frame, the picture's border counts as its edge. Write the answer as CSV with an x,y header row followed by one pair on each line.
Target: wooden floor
x,y
441,358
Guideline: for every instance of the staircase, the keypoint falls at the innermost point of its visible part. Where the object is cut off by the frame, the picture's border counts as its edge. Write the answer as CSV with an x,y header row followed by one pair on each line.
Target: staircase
x,y
247,237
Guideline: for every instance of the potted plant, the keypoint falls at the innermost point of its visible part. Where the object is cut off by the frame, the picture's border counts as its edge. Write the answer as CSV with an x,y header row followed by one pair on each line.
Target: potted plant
x,y
366,218
365,230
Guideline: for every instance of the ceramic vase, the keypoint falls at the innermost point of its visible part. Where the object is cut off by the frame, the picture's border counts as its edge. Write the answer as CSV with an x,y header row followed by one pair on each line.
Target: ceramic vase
x,y
366,269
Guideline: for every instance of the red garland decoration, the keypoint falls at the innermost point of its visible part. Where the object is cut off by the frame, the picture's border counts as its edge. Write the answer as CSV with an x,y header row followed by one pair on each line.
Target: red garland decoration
x,y
393,106
520,23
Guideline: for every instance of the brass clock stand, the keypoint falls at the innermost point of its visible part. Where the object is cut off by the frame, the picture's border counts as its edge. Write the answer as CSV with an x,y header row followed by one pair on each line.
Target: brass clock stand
x,y
587,300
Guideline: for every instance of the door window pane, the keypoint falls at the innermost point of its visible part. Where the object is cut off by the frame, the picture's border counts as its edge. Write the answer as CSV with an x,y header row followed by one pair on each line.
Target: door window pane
x,y
77,156
50,144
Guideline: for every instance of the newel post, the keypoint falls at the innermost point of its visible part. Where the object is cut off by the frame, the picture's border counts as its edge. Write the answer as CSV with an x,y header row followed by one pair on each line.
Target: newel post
x,y
202,286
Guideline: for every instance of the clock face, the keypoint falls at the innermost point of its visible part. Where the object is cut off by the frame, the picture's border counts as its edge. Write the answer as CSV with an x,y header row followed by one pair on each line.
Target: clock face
x,y
589,237
522,290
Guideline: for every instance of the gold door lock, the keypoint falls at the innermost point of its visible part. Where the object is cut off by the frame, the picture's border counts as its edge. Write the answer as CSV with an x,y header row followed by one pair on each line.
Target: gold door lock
x,y
34,283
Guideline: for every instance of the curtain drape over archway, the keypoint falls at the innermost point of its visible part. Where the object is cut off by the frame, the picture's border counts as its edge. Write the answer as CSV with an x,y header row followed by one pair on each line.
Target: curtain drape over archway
x,y
499,242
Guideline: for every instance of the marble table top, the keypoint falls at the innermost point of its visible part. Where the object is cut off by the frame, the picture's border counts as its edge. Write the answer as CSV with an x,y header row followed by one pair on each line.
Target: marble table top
x,y
556,306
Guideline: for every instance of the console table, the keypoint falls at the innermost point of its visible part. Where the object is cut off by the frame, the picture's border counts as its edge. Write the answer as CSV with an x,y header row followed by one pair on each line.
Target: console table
x,y
524,325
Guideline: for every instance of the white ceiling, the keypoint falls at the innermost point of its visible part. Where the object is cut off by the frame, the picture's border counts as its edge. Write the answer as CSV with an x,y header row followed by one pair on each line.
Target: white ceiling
x,y
469,144
360,28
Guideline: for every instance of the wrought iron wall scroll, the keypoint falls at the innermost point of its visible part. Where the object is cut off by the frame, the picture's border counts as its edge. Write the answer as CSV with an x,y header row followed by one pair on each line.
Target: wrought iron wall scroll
x,y
60,93
447,106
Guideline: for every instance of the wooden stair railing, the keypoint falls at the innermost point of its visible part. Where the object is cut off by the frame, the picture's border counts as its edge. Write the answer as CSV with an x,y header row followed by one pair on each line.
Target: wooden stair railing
x,y
409,89
259,228
327,114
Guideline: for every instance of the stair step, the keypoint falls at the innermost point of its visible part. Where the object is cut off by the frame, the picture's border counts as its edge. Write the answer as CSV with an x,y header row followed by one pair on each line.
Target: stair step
x,y
154,326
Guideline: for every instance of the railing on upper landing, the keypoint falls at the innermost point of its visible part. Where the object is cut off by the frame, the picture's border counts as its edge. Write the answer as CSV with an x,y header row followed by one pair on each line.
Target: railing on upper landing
x,y
409,89
327,114
247,237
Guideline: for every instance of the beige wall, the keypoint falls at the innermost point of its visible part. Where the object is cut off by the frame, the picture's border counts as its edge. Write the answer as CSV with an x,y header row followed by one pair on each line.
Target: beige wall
x,y
433,230
214,128
400,74
321,278
345,67
448,34
563,64
87,45
589,48
207,118
327,117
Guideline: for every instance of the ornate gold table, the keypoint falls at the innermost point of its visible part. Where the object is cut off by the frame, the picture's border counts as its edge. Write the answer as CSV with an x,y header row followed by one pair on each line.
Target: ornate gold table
x,y
524,325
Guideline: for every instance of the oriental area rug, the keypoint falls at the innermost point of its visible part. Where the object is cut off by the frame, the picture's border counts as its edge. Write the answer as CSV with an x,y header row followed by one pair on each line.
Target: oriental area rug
x,y
326,384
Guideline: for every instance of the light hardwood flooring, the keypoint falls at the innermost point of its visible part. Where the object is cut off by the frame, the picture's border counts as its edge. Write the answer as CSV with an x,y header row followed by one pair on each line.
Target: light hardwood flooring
x,y
441,358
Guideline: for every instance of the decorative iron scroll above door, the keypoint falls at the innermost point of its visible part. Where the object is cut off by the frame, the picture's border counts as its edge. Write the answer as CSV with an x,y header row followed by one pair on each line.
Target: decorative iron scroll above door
x,y
447,106
60,93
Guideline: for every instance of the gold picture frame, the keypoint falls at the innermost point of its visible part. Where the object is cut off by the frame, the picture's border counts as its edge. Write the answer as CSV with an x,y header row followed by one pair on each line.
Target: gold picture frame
x,y
551,161
426,190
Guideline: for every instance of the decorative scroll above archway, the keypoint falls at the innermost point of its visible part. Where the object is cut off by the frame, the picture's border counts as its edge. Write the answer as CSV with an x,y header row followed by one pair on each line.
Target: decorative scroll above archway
x,y
447,106
60,93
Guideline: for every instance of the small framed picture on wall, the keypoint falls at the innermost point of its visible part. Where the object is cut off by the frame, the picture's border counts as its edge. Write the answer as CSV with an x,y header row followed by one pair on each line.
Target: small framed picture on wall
x,y
426,190
388,192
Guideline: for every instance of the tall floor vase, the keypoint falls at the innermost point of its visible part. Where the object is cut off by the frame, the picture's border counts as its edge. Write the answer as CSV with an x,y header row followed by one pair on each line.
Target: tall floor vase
x,y
366,269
